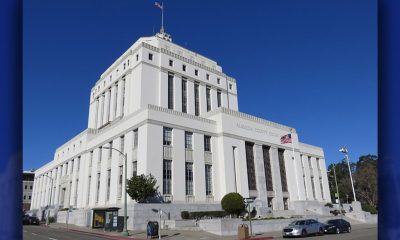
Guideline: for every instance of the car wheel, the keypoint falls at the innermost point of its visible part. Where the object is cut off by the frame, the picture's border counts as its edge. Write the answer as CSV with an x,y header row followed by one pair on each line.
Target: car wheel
x,y
337,230
321,231
303,233
349,229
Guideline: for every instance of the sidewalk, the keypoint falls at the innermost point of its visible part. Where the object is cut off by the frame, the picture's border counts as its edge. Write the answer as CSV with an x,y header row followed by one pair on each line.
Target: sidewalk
x,y
165,234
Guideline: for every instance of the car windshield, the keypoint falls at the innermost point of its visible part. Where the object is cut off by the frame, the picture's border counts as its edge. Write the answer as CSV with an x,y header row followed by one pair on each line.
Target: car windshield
x,y
297,223
333,222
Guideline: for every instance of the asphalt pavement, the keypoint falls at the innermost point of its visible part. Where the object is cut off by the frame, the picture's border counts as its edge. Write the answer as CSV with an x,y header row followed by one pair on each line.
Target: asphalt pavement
x,y
359,232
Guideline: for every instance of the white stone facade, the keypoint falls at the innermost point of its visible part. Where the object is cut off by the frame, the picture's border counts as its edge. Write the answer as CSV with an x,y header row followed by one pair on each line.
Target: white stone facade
x,y
145,105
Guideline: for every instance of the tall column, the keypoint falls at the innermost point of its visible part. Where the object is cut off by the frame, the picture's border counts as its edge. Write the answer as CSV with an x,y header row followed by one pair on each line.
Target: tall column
x,y
113,102
190,97
260,172
202,99
199,180
114,173
276,179
106,115
178,165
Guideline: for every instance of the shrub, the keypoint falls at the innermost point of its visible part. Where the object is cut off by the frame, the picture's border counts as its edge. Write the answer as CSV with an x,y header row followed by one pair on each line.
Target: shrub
x,y
369,208
209,214
337,212
329,205
142,187
233,203
185,215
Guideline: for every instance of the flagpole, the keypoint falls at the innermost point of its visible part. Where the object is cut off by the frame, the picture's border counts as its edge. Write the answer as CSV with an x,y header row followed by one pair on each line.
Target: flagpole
x,y
162,17
295,165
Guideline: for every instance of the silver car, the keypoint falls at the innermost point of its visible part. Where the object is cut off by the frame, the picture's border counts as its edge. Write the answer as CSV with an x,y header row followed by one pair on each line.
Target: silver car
x,y
303,228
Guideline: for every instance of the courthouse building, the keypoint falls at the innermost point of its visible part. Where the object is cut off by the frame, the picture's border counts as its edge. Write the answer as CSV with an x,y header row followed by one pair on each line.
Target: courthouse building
x,y
174,113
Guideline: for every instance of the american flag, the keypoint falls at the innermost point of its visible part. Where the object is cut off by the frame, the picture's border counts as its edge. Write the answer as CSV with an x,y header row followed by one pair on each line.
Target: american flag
x,y
286,138
158,5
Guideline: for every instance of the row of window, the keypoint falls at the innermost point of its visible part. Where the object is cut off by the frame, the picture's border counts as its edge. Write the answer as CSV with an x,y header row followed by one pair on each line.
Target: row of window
x,y
196,95
167,178
167,139
29,197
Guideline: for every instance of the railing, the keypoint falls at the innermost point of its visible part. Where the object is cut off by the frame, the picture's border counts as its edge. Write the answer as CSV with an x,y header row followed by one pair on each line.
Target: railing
x,y
209,198
168,198
189,198
167,152
207,157
189,155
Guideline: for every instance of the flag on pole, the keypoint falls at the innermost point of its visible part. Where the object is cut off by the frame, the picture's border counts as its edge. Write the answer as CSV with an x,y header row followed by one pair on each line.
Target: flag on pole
x,y
286,138
158,5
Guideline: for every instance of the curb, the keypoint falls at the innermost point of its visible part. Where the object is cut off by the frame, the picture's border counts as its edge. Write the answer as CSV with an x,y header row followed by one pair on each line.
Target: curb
x,y
101,235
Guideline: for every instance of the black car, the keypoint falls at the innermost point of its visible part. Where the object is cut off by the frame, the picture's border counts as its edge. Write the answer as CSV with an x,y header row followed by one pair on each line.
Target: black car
x,y
337,226
25,220
33,221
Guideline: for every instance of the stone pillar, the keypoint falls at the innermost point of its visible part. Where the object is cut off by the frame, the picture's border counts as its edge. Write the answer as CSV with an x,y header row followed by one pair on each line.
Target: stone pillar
x,y
202,99
276,180
119,99
190,97
199,180
178,165
262,200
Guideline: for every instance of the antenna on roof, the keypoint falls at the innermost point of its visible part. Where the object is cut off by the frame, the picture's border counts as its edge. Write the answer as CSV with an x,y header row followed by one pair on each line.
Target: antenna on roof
x,y
162,34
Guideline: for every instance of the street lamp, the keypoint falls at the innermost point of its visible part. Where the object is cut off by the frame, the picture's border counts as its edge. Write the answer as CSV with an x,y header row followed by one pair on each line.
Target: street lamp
x,y
337,189
125,231
345,152
48,205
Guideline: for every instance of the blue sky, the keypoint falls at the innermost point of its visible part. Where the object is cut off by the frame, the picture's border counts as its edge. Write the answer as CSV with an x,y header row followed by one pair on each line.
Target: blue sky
x,y
309,64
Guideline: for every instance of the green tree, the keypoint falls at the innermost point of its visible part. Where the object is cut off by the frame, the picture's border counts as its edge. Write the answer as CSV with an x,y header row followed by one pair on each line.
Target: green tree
x,y
233,203
366,181
142,187
343,181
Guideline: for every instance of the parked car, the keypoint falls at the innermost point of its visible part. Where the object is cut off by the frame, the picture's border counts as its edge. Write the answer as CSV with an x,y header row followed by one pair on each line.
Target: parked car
x,y
25,219
337,226
303,228
34,221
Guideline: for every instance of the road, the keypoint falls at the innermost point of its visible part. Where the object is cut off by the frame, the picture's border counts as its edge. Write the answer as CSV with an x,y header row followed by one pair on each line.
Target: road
x,y
46,233
359,232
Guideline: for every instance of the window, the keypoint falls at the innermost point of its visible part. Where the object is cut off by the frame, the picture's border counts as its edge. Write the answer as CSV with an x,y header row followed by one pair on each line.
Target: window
x,y
218,81
72,167
76,192
78,164
108,184
98,187
208,76
230,86
207,143
122,143
170,91
309,163
167,176
196,72
322,188
134,168
26,187
30,187
123,97
24,197
282,169
208,171
128,62
318,164
305,186
189,178
188,140
184,95
167,136
196,100
100,153
313,187
219,98
208,98
120,182
110,150
124,66
251,171
267,168
184,67
137,57
88,196
29,197
135,138
171,63
150,56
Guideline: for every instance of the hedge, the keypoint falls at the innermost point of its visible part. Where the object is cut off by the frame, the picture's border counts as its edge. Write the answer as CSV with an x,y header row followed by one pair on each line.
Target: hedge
x,y
203,214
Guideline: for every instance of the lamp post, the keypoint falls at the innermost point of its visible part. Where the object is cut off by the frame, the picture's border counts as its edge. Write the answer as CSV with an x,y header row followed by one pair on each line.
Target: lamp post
x,y
48,205
345,152
125,231
337,189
